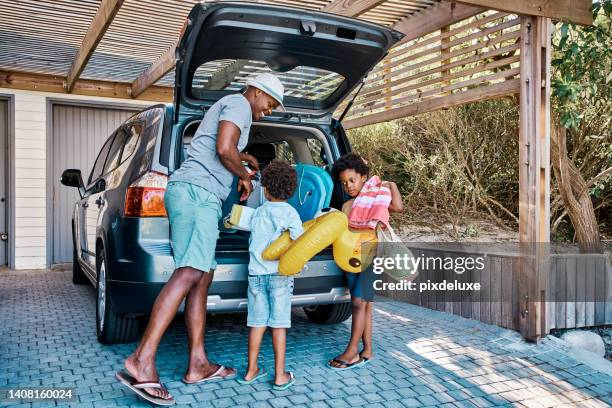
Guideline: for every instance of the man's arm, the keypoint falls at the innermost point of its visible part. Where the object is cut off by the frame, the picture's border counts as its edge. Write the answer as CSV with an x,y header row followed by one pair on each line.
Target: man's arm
x,y
227,150
250,159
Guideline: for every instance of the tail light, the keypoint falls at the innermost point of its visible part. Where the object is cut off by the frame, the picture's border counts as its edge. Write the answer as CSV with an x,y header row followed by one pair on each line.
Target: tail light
x,y
145,196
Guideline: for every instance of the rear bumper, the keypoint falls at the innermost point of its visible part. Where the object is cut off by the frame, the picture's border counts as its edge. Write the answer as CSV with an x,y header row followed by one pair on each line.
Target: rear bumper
x,y
140,263
133,298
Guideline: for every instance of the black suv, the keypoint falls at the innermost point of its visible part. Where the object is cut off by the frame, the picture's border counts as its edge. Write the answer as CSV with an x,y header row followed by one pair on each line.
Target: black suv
x,y
120,229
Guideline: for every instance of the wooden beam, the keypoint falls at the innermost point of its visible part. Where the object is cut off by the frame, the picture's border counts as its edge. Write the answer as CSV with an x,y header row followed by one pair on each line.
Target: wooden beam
x,y
164,64
434,18
224,76
51,83
534,176
102,20
576,11
351,8
428,105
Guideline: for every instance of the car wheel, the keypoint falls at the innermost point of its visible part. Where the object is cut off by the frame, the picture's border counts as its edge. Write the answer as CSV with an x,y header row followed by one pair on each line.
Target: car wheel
x,y
328,314
111,328
78,276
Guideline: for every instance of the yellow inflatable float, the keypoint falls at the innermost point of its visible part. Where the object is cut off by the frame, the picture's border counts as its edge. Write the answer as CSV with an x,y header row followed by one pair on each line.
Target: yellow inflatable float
x,y
328,229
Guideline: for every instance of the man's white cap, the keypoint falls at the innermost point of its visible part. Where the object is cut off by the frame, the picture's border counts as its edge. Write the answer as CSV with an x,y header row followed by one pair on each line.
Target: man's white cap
x,y
271,85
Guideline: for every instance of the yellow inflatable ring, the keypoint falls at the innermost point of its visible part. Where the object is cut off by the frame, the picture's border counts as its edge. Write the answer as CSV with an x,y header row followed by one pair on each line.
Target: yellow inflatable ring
x,y
328,229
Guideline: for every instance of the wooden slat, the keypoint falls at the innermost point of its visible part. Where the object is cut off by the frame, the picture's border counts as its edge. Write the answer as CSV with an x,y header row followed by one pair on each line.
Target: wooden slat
x,y
448,296
164,64
477,23
485,291
559,284
422,85
576,11
589,310
506,294
351,7
478,94
496,292
50,83
104,17
431,19
515,293
600,290
466,304
580,292
438,69
572,277
446,44
422,95
608,292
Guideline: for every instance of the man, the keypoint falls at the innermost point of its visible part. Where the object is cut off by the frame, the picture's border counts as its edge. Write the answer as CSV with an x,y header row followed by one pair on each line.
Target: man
x,y
193,201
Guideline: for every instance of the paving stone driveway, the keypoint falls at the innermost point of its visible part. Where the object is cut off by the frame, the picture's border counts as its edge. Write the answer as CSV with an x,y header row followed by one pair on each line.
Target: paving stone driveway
x,y
423,358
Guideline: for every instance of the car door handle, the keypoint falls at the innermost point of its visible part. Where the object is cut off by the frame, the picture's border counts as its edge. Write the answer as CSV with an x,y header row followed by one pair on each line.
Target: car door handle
x,y
100,202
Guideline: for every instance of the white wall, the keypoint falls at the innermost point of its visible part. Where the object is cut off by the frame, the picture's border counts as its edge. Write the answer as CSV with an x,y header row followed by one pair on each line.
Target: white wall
x,y
29,154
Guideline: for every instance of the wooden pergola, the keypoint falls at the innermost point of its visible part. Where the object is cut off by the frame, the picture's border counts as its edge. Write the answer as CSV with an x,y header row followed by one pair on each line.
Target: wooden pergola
x,y
453,53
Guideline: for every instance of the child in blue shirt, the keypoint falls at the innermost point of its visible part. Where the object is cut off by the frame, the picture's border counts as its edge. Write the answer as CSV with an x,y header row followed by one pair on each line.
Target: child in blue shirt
x,y
269,295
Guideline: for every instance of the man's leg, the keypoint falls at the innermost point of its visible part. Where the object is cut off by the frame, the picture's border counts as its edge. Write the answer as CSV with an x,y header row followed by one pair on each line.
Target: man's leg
x,y
279,344
351,353
256,335
141,364
367,351
195,319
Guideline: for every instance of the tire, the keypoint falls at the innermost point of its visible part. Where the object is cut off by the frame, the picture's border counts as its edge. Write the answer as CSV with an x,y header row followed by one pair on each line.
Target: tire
x,y
111,328
78,276
328,314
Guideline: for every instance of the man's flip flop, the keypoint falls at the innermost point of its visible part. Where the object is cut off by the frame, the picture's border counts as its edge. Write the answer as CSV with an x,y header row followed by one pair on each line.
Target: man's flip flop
x,y
138,388
286,385
262,373
347,365
216,376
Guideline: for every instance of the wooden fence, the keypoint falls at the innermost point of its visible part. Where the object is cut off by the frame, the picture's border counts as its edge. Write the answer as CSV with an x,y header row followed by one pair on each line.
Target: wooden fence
x,y
578,291
474,59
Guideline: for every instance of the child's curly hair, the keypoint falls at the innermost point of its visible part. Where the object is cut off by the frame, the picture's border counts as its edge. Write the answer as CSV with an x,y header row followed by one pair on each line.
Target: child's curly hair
x,y
279,179
350,161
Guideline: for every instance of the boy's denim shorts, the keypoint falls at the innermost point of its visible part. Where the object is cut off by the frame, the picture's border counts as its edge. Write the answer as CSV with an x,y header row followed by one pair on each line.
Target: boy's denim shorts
x,y
269,301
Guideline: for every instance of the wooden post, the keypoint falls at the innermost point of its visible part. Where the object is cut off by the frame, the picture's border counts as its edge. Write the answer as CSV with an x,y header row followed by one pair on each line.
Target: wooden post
x,y
445,60
534,176
387,82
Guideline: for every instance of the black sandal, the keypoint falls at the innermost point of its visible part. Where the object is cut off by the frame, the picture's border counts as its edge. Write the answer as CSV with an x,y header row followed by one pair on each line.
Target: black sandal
x,y
347,365
365,359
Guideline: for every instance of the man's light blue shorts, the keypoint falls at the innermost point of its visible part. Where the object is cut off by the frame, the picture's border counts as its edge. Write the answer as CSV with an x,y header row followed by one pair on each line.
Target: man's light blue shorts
x,y
194,215
269,301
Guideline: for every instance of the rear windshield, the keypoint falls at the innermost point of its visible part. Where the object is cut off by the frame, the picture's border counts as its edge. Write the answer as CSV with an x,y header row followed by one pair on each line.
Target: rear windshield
x,y
302,82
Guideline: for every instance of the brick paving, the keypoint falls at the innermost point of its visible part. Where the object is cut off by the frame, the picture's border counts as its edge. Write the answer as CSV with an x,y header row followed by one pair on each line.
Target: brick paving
x,y
423,358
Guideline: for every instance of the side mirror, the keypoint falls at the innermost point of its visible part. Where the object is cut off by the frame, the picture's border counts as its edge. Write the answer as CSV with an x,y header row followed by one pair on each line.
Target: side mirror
x,y
72,178
100,185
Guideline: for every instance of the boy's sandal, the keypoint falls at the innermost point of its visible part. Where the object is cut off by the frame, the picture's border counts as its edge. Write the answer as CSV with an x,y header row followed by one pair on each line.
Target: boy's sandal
x,y
262,373
139,388
346,364
286,385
